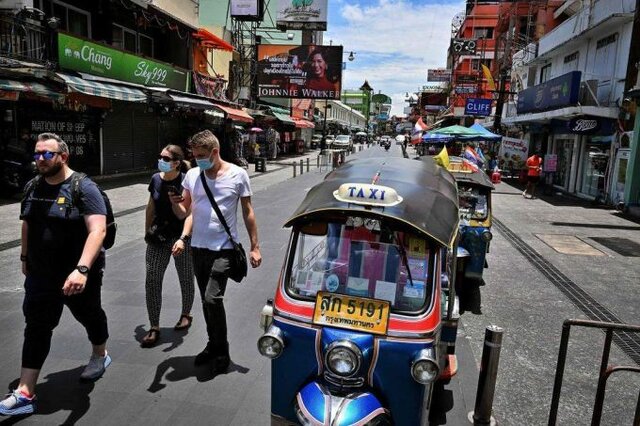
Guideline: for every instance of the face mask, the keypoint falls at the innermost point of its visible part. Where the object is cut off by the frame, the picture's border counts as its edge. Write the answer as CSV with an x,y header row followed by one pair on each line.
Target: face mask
x,y
164,166
204,163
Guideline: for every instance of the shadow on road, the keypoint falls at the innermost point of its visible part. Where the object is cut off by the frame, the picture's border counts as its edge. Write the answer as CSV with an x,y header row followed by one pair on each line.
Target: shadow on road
x,y
181,368
60,391
441,403
167,335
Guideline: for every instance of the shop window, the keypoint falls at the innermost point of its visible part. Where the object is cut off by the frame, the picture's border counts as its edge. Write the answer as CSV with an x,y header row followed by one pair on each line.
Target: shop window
x,y
72,19
545,73
594,169
564,151
483,33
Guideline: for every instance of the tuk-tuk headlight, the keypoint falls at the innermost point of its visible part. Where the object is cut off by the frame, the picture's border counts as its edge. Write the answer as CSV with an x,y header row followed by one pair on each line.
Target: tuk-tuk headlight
x,y
343,358
424,368
271,343
487,236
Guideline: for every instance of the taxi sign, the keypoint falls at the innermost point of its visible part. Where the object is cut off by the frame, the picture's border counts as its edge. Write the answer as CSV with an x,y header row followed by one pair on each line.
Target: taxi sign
x,y
367,194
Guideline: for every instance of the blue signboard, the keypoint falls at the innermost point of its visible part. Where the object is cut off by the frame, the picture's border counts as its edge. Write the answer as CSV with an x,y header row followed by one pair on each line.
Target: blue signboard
x,y
477,106
556,93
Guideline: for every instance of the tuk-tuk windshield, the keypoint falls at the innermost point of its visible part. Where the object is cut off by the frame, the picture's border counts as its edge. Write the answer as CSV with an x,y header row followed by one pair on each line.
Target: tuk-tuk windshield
x,y
362,258
472,201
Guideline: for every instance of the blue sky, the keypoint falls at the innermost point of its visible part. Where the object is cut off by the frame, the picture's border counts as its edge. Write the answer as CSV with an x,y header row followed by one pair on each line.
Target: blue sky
x,y
395,42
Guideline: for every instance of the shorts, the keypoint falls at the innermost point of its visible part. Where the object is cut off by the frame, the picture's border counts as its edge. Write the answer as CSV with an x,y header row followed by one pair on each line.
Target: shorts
x,y
533,179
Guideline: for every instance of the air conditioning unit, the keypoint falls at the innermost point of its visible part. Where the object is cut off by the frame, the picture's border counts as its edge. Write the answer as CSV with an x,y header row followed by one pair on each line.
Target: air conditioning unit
x,y
589,93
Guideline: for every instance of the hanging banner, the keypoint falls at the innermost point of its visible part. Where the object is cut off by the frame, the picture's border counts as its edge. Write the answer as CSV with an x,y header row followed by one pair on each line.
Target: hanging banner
x,y
97,59
208,86
302,15
309,71
439,74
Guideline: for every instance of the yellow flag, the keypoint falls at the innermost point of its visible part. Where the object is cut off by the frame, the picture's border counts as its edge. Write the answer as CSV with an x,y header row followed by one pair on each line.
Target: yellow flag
x,y
442,158
489,77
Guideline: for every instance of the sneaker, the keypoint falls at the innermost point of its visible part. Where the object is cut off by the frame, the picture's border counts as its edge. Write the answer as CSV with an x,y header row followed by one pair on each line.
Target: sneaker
x,y
96,367
16,403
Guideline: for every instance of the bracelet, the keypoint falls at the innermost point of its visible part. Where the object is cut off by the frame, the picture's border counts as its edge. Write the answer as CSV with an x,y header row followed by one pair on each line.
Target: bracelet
x,y
23,258
185,238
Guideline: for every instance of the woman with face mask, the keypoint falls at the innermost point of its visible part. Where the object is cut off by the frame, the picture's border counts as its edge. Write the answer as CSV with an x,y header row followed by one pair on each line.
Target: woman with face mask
x,y
167,235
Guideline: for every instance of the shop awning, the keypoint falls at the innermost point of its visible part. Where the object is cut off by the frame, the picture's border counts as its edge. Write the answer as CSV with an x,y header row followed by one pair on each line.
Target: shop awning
x,y
285,118
191,101
22,86
103,90
235,114
301,123
211,40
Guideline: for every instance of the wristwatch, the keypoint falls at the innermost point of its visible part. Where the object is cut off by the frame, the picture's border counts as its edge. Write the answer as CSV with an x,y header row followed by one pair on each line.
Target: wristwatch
x,y
84,270
185,238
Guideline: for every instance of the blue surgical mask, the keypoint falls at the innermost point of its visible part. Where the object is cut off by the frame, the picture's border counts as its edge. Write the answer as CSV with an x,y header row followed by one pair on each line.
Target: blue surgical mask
x,y
204,163
164,166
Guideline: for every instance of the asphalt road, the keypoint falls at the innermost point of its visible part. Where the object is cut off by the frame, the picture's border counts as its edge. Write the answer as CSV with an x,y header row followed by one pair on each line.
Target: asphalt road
x,y
160,385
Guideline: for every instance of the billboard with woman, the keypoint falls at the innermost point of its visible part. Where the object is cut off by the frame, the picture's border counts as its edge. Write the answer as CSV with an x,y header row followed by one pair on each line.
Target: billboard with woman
x,y
309,71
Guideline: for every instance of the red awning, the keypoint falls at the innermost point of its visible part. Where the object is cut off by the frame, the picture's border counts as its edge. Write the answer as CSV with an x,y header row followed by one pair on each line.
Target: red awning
x,y
303,124
235,114
211,40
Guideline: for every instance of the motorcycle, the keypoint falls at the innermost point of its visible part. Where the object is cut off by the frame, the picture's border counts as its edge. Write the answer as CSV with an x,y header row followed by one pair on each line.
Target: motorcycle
x,y
354,330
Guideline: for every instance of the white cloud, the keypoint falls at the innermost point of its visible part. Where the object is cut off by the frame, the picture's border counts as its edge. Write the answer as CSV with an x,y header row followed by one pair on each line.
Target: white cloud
x,y
395,43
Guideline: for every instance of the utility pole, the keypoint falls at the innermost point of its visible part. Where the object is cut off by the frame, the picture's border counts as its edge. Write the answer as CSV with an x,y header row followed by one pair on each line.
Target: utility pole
x,y
505,66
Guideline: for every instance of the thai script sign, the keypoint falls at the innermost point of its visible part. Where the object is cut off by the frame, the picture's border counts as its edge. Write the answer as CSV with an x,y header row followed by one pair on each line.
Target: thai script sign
x,y
302,15
308,71
93,58
556,93
513,153
550,163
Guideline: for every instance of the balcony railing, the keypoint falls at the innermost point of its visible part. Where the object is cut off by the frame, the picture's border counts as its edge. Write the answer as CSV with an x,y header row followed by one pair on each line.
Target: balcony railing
x,y
24,40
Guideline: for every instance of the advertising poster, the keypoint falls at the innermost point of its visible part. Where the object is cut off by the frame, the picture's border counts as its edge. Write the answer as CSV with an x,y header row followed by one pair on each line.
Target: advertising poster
x,y
308,72
550,163
439,74
246,9
513,153
302,15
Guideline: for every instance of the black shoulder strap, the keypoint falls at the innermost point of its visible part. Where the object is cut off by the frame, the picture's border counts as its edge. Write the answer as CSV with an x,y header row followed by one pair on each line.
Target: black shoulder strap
x,y
31,186
215,205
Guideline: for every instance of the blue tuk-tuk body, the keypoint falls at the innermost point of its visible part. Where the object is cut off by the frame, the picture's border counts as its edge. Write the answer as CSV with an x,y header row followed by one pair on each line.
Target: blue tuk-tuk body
x,y
354,329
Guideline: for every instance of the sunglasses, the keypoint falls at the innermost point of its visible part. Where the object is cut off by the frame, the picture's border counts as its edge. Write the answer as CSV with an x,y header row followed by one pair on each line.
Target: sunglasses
x,y
47,155
165,158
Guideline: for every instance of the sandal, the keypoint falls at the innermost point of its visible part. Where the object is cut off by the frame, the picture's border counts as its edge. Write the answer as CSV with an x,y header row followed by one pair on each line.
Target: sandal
x,y
151,338
180,326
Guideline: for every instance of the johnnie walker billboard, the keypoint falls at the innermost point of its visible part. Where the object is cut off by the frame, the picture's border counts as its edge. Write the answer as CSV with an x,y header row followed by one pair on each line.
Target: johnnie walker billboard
x,y
307,72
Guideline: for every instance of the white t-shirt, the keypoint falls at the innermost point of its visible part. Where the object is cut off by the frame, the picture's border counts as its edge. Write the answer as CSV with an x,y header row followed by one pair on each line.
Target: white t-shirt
x,y
227,189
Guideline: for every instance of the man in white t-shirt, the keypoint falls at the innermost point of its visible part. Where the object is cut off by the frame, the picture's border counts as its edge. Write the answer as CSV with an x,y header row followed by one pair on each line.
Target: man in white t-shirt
x,y
210,242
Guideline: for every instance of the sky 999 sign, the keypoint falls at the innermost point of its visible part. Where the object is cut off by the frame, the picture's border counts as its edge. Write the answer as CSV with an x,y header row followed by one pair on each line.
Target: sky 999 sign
x,y
307,72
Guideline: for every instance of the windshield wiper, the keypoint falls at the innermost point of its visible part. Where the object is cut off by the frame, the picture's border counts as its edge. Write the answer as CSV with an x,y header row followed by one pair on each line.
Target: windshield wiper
x,y
403,253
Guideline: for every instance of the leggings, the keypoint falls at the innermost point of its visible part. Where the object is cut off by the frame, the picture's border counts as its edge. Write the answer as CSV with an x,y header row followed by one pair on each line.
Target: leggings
x,y
42,308
157,260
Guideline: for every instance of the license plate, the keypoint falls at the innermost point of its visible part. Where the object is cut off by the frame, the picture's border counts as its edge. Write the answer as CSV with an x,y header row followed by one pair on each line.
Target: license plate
x,y
353,313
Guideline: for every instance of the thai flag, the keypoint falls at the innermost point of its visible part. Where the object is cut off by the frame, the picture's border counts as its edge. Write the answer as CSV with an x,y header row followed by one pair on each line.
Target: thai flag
x,y
466,164
418,128
471,155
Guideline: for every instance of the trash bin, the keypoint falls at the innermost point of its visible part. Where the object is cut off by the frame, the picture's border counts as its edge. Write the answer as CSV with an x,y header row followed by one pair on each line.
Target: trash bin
x,y
261,164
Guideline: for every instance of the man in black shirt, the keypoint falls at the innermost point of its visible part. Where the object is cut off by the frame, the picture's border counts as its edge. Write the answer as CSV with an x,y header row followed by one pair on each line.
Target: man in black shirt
x,y
63,263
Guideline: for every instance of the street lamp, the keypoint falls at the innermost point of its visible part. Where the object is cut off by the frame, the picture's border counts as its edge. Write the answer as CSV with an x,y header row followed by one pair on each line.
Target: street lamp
x,y
367,89
323,142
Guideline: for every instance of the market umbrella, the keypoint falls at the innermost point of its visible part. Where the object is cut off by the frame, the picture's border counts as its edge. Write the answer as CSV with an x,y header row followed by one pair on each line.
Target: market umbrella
x,y
486,134
255,129
457,131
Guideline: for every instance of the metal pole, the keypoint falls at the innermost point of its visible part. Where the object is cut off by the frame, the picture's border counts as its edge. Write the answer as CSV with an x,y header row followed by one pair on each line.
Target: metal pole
x,y
557,384
318,162
602,380
636,418
487,376
307,164
302,166
294,168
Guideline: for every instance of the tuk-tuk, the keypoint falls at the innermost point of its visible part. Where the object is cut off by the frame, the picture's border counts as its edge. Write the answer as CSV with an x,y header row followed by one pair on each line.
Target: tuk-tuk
x,y
354,330
474,200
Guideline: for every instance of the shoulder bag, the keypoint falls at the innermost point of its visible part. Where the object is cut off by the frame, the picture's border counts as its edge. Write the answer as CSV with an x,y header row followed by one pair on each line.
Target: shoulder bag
x,y
238,268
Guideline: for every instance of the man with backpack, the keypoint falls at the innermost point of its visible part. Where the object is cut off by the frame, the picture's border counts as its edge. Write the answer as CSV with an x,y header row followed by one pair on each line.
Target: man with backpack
x,y
64,224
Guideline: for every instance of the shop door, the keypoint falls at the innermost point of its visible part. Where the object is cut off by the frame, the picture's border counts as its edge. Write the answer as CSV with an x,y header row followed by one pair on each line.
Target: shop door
x,y
145,139
619,175
117,135
594,169
565,153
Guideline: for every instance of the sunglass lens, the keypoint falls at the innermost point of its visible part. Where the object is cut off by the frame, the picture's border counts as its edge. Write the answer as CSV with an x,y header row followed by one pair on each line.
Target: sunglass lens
x,y
165,158
47,155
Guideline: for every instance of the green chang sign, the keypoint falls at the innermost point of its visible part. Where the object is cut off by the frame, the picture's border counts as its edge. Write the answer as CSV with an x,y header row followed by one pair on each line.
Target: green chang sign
x,y
84,56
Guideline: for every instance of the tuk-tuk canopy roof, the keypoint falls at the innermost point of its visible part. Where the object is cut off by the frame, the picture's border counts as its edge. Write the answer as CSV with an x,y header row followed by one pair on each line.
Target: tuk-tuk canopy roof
x,y
429,198
478,178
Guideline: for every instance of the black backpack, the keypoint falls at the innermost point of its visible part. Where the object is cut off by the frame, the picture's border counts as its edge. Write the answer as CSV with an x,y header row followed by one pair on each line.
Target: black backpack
x,y
76,178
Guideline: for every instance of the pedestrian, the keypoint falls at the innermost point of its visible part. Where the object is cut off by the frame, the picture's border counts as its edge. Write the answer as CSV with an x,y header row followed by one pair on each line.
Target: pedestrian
x,y
63,264
211,245
167,236
534,167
